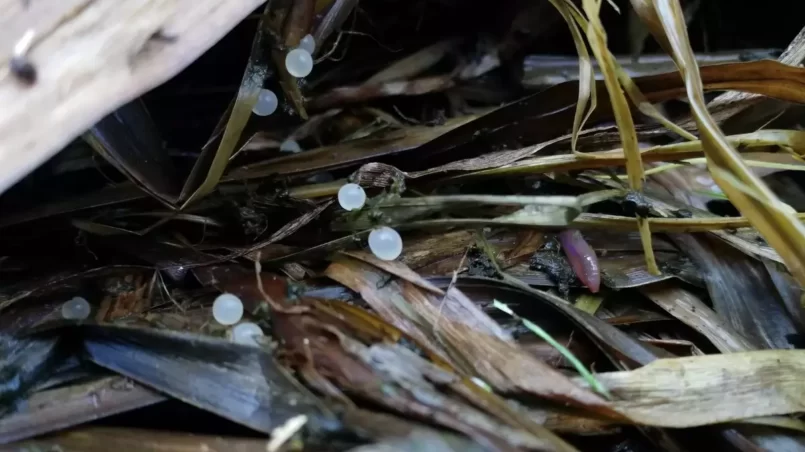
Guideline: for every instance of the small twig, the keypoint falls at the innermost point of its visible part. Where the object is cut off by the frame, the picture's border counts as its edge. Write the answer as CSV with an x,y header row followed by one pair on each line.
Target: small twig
x,y
332,49
360,33
164,287
258,269
449,286
285,431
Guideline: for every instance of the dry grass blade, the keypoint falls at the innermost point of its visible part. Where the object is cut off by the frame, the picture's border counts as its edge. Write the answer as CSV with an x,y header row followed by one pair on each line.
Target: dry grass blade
x,y
731,103
741,291
353,94
623,117
587,92
587,82
780,228
414,64
786,139
546,211
252,82
589,220
240,387
346,154
620,107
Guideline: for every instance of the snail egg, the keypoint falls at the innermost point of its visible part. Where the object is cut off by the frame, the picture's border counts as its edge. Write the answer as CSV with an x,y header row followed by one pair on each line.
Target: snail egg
x,y
308,44
266,103
351,196
227,309
77,308
246,333
385,243
299,63
290,146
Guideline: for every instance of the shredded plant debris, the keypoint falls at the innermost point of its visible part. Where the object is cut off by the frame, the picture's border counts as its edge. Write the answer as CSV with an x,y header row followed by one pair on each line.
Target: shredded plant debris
x,y
379,225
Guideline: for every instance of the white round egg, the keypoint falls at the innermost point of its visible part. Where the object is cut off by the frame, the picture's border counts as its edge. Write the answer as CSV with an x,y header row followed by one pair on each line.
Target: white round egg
x,y
266,103
227,309
385,243
299,63
291,146
351,196
77,308
246,333
308,44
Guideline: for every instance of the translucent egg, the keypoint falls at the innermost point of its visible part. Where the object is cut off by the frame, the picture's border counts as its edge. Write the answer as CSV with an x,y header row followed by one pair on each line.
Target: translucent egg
x,y
351,196
76,309
266,103
385,243
246,333
227,309
290,146
308,44
299,63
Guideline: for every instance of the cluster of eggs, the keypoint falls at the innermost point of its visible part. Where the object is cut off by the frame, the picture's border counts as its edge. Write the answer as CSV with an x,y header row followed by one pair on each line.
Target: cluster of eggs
x,y
384,242
299,63
227,309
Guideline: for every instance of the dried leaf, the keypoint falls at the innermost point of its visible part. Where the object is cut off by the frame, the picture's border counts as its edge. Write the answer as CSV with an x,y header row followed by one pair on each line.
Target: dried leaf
x,y
101,439
56,409
741,292
237,382
128,139
466,333
415,63
346,95
686,307
703,390
345,154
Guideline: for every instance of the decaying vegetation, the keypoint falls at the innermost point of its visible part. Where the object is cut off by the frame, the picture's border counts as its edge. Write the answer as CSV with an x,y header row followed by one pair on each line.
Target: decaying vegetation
x,y
501,165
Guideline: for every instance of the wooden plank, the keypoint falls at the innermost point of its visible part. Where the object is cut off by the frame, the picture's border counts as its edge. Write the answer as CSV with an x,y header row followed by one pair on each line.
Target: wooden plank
x,y
91,57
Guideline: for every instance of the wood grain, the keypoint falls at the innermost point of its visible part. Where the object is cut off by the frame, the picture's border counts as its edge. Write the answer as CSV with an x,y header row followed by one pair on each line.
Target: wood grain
x,y
91,57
